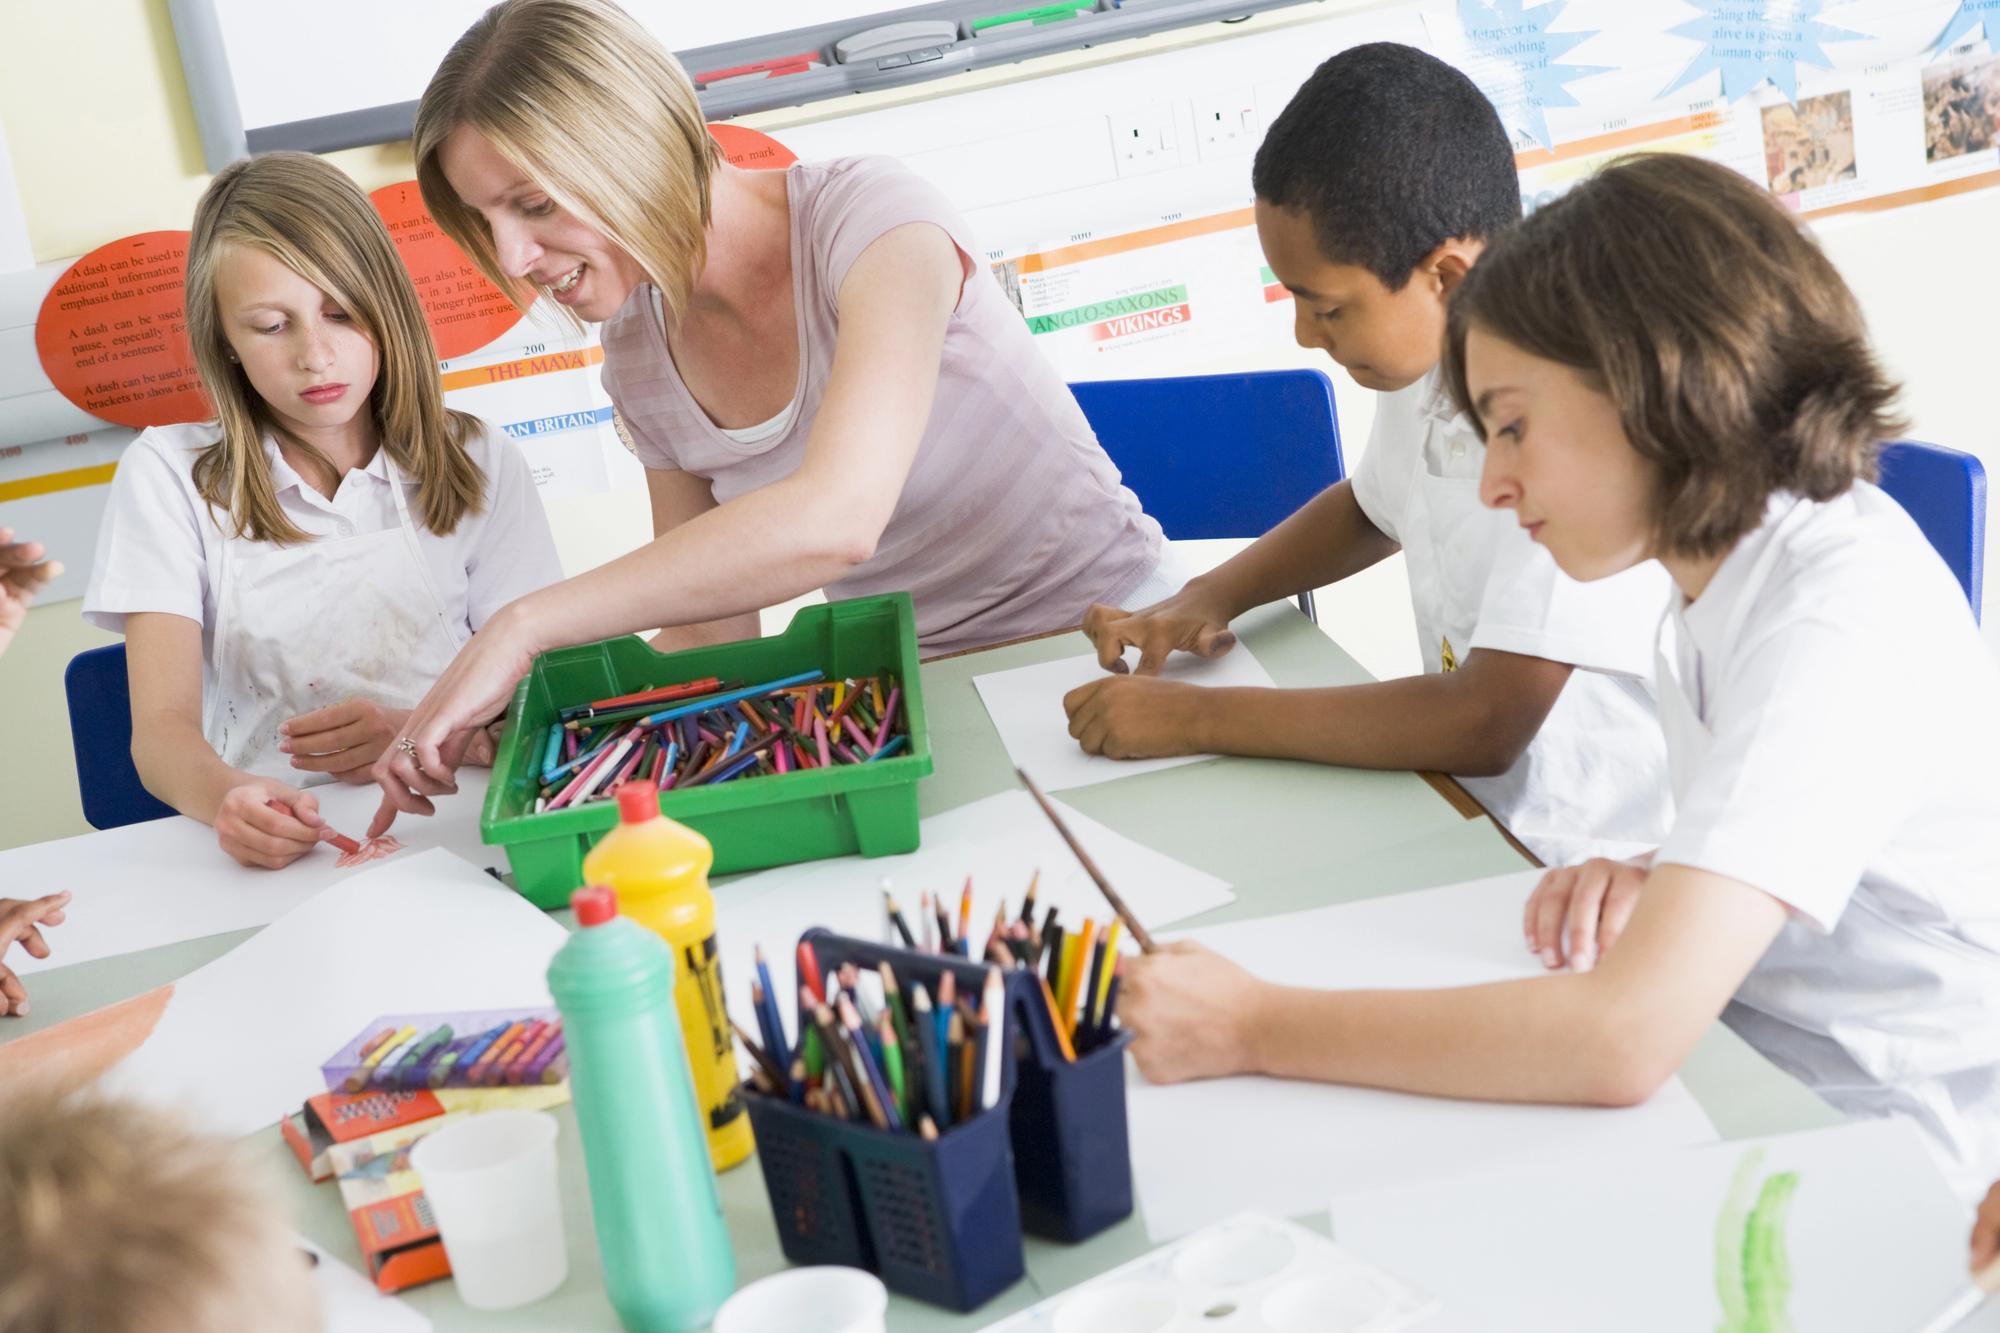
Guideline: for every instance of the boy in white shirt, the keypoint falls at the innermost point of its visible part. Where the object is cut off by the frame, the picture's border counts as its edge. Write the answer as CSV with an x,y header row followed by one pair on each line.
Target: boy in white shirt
x,y
1664,366
1377,189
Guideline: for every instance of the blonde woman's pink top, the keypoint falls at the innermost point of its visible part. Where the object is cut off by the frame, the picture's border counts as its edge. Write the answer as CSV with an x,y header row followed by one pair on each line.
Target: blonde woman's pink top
x,y
1012,521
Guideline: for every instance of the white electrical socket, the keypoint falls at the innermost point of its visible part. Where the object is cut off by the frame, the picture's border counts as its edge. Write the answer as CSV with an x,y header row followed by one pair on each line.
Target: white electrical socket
x,y
1226,124
1144,140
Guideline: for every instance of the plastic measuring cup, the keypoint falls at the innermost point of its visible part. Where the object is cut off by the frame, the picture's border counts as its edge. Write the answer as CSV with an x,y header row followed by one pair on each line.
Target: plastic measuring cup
x,y
491,1182
826,1299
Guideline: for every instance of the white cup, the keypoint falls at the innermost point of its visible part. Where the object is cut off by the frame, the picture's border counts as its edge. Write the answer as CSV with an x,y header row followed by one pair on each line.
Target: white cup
x,y
808,1300
491,1182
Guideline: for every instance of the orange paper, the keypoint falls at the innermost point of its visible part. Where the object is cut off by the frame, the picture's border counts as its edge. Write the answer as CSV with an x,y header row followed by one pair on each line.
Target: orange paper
x,y
112,333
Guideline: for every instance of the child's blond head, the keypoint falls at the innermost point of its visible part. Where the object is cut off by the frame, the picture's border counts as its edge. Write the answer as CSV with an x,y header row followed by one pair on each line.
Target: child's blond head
x,y
115,1220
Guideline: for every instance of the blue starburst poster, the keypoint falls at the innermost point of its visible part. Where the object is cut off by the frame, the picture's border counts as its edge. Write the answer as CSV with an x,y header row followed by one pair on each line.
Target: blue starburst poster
x,y
1970,14
1750,41
1505,47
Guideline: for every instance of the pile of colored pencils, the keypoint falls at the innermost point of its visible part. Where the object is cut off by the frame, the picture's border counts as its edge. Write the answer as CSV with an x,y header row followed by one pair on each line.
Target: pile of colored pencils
x,y
1079,971
706,731
872,1048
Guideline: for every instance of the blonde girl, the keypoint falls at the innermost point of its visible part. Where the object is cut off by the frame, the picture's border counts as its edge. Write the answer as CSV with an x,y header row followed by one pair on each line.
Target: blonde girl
x,y
826,386
293,575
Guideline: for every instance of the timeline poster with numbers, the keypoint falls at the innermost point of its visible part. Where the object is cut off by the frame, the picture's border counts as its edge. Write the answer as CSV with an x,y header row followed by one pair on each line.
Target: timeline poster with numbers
x,y
542,389
1150,301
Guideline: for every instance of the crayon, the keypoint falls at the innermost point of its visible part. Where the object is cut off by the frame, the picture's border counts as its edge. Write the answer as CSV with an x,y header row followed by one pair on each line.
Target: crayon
x,y
496,1073
966,1037
964,913
548,1067
926,919
728,697
856,1088
1087,1018
994,1008
819,738
398,1077
928,1130
366,1069
420,1077
809,978
553,755
947,1001
518,1069
1027,917
1055,1017
877,1091
896,917
895,743
888,715
368,1047
892,1067
925,1022
1103,986
476,1072
760,1057
780,1049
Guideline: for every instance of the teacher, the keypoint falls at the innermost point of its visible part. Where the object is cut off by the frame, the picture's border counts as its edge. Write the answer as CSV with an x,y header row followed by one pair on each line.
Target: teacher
x,y
825,387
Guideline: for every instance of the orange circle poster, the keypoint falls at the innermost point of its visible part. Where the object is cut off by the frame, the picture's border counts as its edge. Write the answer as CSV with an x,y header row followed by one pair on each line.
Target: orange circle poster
x,y
465,310
112,333
751,149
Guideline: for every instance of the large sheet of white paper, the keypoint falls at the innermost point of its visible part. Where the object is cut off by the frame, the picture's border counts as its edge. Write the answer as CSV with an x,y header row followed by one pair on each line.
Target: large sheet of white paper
x,y
1000,842
242,1039
1869,1240
1284,1146
168,880
1026,705
349,1302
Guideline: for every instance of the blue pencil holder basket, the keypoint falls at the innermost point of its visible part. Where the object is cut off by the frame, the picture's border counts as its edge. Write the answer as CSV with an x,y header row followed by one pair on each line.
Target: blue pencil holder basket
x,y
942,1221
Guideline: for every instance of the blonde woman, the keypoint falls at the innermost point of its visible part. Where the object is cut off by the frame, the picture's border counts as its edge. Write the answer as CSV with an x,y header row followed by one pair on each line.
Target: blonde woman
x,y
825,386
293,575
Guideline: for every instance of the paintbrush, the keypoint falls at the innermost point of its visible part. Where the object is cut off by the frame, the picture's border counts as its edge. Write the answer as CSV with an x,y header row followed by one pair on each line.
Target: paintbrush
x,y
1139,934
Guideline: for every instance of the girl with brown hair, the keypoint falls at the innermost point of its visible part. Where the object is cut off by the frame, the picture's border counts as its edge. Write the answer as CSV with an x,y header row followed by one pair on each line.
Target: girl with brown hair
x,y
293,575
1663,365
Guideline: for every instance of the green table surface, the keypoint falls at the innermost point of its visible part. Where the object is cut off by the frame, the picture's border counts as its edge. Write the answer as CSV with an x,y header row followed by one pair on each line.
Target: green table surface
x,y
1288,836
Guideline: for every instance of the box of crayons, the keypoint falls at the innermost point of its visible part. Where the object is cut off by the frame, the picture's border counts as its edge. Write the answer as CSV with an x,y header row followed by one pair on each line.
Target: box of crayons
x,y
481,1049
805,745
900,1132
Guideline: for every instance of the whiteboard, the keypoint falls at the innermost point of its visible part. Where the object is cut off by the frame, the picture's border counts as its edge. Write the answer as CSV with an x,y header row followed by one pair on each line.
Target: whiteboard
x,y
369,53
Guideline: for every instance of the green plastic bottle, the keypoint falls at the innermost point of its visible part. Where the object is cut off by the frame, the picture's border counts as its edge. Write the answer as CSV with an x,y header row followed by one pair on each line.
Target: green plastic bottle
x,y
667,1262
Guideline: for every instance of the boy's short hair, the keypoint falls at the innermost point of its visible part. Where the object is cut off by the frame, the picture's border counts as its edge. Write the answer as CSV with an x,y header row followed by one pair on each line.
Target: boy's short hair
x,y
1391,153
114,1220
1737,356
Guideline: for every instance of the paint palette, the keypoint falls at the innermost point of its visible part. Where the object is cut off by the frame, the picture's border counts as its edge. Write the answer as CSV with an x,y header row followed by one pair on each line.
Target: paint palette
x,y
1250,1274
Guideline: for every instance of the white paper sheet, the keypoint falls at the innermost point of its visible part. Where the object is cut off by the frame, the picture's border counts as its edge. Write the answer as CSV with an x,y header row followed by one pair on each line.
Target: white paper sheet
x,y
1285,1146
1027,709
1000,841
242,1039
350,1303
1873,1238
168,880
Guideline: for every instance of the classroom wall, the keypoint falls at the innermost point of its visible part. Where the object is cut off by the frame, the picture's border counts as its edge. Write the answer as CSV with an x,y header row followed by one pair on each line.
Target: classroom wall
x,y
95,112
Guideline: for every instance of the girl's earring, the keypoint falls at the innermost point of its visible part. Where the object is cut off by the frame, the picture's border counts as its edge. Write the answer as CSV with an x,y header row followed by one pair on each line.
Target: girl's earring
x,y
232,357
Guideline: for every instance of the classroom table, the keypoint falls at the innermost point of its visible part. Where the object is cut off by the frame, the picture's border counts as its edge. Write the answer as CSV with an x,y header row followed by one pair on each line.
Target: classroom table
x,y
1288,836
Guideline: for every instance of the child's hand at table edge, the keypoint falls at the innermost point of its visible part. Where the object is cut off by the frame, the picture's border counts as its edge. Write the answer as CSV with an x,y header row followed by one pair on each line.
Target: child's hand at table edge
x,y
1577,913
256,834
1986,1231
1189,621
1137,717
1194,1014
18,921
344,739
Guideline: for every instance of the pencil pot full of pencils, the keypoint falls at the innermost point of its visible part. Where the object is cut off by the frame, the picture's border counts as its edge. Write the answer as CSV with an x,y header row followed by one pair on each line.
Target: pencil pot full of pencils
x,y
804,745
885,1141
1072,1164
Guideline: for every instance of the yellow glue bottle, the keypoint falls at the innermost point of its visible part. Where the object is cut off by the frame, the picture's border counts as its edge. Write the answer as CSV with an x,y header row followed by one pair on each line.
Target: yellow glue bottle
x,y
659,870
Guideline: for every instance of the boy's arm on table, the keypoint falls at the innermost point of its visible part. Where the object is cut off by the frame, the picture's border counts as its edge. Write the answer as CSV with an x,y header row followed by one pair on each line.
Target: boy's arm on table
x,y
1475,721
18,921
1608,1037
1328,539
177,764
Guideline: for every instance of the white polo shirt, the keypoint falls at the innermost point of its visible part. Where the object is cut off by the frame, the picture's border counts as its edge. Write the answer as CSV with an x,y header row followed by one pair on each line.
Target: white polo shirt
x,y
1593,782
160,545
1852,714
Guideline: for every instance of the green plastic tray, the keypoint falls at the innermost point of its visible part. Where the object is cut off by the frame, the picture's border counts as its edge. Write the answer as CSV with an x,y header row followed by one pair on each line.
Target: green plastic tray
x,y
753,822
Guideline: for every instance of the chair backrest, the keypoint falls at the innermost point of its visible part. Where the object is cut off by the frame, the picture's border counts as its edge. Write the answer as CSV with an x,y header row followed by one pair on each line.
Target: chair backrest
x,y
1945,492
100,726
1219,455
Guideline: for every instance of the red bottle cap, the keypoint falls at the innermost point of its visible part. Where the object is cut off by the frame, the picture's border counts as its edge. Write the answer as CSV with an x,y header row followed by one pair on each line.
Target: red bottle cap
x,y
638,802
594,905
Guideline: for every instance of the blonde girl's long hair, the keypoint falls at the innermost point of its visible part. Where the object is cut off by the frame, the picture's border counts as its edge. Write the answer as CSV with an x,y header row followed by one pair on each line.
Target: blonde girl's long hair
x,y
597,113
306,214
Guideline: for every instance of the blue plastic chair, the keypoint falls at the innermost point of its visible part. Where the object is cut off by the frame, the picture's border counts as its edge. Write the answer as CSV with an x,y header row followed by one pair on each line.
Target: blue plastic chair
x,y
1220,455
100,727
1945,492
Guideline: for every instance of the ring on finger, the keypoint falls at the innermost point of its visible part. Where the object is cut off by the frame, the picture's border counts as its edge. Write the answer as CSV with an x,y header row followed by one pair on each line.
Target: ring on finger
x,y
407,746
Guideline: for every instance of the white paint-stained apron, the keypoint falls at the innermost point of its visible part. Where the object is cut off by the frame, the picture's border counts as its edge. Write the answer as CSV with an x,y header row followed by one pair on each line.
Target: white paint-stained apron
x,y
303,627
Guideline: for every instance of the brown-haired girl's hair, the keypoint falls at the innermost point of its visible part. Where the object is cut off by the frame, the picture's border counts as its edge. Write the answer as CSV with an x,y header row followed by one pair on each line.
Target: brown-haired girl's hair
x,y
1737,357
306,214
596,112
